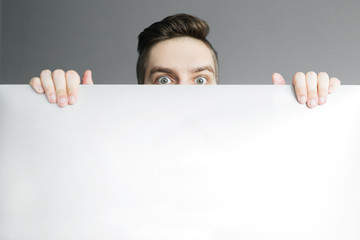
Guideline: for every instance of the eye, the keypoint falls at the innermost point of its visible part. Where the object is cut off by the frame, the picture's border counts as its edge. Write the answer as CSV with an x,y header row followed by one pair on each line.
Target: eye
x,y
200,80
163,80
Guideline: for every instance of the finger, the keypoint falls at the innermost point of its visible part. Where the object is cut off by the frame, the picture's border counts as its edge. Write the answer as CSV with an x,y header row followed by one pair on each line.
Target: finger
x,y
35,83
334,83
87,78
48,85
311,84
300,87
72,84
278,79
60,86
323,87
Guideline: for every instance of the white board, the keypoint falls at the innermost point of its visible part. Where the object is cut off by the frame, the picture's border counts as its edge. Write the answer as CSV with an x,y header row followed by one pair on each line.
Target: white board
x,y
179,162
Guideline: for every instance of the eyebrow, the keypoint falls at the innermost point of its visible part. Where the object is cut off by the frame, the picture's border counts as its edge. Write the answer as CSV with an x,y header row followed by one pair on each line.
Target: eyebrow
x,y
161,69
171,72
204,68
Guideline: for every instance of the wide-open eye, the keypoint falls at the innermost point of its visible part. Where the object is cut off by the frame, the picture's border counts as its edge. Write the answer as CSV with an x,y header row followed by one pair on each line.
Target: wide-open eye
x,y
200,80
163,80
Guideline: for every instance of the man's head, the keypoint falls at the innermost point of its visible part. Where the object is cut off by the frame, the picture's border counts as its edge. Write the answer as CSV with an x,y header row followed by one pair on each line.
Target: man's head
x,y
176,51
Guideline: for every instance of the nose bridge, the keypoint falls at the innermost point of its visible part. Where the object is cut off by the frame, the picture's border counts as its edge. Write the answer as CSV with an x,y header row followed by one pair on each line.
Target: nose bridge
x,y
185,78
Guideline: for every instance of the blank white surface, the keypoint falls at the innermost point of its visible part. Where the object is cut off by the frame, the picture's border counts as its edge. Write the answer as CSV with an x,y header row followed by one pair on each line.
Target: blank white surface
x,y
179,162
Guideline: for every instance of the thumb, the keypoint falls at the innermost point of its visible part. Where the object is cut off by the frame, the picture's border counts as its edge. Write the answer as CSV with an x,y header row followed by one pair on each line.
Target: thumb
x,y
278,79
87,78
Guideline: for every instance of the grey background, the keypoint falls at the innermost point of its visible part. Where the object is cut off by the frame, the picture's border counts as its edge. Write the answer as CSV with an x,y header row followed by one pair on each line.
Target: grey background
x,y
1,15
254,38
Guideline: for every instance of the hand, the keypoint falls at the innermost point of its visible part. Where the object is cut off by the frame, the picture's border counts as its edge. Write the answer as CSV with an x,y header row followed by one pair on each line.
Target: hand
x,y
60,87
310,88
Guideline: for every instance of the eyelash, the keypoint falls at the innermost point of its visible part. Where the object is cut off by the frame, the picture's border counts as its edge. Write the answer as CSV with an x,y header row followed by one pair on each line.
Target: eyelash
x,y
161,76
157,78
202,76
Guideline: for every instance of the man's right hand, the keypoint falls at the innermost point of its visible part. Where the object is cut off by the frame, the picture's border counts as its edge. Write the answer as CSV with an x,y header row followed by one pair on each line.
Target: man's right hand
x,y
60,87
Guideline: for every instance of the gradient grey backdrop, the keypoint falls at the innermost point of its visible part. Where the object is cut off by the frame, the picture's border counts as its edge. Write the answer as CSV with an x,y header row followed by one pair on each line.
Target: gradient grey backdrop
x,y
254,38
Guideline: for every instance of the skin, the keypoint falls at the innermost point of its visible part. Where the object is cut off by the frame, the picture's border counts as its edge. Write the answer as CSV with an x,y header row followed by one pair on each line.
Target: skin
x,y
181,60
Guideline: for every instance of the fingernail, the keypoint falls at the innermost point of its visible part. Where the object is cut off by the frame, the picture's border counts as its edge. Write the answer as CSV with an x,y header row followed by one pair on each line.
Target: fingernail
x,y
72,99
52,98
62,100
302,99
312,103
322,100
40,89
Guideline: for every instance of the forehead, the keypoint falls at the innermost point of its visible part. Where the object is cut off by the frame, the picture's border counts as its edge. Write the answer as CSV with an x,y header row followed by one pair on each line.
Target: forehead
x,y
180,53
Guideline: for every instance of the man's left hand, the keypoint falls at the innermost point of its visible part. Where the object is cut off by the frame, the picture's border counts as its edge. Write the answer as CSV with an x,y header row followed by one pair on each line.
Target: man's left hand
x,y
310,88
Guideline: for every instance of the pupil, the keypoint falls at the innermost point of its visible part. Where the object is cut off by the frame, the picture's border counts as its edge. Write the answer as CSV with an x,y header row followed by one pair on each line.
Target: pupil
x,y
200,80
164,80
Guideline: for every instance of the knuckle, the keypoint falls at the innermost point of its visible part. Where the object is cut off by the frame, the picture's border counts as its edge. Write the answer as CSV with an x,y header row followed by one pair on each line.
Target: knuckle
x,y
323,75
73,75
58,72
60,92
45,72
311,74
32,81
49,90
335,79
312,92
298,76
300,90
71,92
323,90
71,72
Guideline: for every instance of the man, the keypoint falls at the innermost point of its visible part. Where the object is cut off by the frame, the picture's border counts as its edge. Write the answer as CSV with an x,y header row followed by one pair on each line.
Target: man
x,y
176,51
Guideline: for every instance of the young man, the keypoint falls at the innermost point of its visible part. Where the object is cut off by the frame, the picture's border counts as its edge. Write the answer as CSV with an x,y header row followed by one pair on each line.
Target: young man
x,y
176,51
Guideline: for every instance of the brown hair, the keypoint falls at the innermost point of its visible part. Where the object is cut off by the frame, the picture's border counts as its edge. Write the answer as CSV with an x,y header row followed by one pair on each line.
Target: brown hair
x,y
179,25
